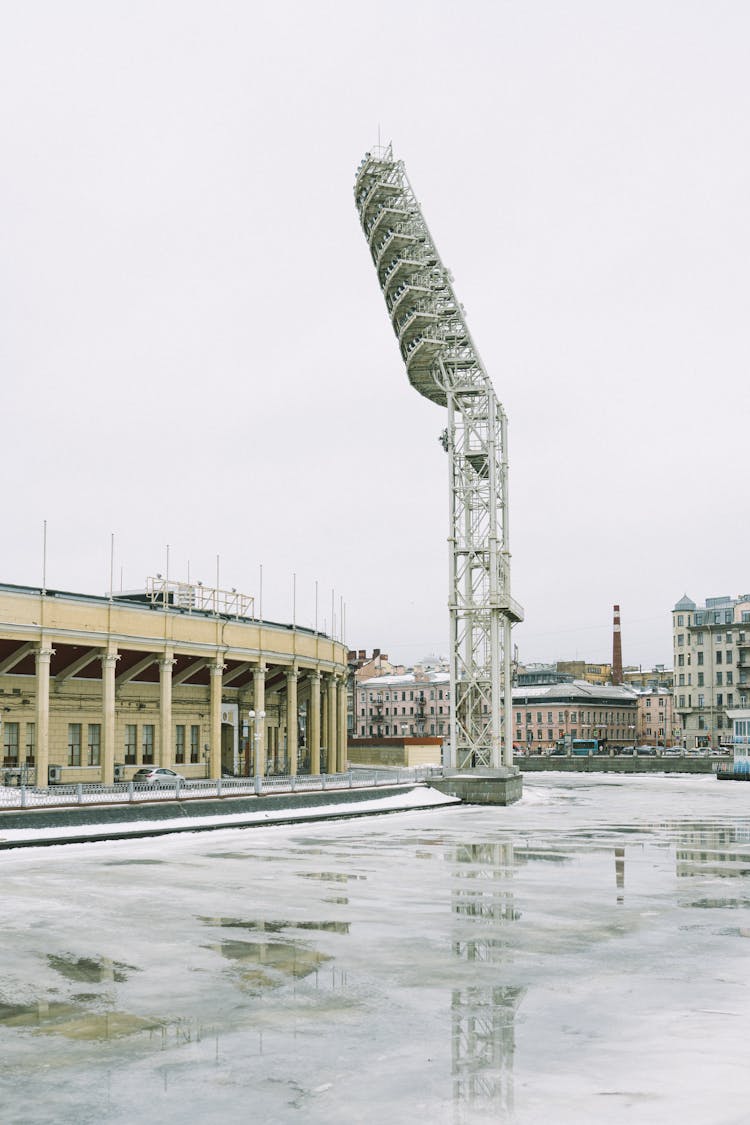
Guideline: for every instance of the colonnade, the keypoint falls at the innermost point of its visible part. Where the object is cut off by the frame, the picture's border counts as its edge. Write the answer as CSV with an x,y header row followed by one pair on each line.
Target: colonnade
x,y
324,694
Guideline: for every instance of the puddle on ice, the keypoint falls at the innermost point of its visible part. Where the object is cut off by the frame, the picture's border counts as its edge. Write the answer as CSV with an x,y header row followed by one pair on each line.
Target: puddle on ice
x,y
226,855
132,862
286,958
275,927
100,1025
32,1015
90,970
720,903
73,1021
330,876
326,927
526,855
233,923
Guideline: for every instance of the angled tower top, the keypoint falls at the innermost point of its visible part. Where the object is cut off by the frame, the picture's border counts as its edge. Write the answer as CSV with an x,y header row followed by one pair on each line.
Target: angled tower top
x,y
443,364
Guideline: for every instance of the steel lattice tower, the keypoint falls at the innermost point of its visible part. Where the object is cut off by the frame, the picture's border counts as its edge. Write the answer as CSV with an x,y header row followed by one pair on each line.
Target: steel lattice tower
x,y
443,365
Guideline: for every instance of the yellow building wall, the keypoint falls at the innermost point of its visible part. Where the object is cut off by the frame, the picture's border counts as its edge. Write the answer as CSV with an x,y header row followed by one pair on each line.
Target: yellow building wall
x,y
77,620
424,756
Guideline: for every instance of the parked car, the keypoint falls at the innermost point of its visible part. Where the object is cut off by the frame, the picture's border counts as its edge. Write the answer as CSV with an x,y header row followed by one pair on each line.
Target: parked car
x,y
646,751
156,775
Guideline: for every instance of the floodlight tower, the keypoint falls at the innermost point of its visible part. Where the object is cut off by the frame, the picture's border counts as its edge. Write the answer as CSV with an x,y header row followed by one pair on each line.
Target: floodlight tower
x,y
443,364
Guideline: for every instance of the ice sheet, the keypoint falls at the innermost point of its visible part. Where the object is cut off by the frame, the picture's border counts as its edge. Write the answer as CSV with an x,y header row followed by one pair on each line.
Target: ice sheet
x,y
578,957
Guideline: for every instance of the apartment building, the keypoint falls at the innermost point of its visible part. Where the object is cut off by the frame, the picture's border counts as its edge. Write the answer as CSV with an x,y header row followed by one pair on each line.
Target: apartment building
x,y
711,645
544,714
418,704
655,723
408,705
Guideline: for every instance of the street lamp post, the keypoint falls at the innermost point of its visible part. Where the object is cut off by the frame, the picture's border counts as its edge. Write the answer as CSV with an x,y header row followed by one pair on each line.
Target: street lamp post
x,y
245,750
256,720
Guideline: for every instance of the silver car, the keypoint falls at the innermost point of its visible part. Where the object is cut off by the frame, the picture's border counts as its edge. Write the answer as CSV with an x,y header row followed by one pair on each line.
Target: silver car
x,y
157,775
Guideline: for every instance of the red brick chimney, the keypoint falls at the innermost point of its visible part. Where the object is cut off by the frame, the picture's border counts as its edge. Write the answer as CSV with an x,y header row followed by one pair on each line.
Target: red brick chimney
x,y
616,649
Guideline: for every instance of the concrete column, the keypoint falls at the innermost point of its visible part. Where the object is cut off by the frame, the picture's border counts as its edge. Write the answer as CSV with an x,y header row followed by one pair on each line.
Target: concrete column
x,y
259,706
43,656
332,725
109,663
313,724
324,757
214,740
291,721
166,752
342,742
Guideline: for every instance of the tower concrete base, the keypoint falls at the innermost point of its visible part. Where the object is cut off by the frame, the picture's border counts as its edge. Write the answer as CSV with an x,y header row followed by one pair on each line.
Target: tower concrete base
x,y
481,786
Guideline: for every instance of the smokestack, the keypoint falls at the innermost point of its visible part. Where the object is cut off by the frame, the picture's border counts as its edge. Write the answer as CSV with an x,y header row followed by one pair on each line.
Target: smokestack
x,y
616,649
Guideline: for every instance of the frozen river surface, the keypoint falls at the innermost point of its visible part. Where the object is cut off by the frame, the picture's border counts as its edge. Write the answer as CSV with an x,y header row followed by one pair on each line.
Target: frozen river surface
x,y
579,957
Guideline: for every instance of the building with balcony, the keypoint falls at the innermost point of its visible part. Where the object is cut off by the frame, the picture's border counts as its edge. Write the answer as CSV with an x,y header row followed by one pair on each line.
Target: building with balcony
x,y
711,644
408,705
417,704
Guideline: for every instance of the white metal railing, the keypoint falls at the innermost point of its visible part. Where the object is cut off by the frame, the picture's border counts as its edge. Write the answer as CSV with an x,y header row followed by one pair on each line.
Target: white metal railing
x,y
128,792
195,596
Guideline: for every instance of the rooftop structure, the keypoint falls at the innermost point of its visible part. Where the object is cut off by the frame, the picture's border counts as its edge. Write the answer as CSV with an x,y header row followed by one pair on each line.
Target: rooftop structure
x,y
531,674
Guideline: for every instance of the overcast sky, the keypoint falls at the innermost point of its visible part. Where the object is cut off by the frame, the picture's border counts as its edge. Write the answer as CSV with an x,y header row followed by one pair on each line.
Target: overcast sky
x,y
195,352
